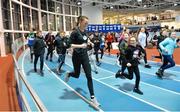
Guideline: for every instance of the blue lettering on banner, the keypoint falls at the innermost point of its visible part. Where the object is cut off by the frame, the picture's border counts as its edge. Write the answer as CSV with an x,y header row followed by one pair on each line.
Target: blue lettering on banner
x,y
104,28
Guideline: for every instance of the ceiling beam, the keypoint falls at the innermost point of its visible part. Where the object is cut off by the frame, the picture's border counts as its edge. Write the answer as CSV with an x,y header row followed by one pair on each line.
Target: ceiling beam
x,y
108,3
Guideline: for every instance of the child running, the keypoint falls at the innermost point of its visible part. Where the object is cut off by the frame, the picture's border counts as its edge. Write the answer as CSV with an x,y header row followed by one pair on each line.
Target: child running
x,y
132,55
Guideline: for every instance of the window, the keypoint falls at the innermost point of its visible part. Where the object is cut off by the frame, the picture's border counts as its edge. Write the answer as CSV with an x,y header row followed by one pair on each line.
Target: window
x,y
26,18
74,10
25,2
60,23
51,6
43,5
44,21
17,35
67,9
52,22
34,3
66,2
68,23
8,41
59,0
35,19
6,14
80,11
16,16
74,21
59,8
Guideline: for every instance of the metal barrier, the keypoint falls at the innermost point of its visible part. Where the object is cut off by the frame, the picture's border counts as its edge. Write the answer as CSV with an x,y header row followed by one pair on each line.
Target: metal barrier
x,y
21,80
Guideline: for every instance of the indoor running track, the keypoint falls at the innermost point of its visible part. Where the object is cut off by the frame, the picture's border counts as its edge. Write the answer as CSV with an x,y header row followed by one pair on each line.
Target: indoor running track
x,y
113,94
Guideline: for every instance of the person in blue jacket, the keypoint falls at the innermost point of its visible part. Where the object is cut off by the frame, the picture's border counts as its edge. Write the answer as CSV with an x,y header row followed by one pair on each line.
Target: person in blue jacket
x,y
31,38
167,46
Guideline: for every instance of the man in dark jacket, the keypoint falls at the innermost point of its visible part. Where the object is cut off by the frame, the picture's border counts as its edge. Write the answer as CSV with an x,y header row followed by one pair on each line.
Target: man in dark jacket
x,y
39,50
163,35
96,40
61,46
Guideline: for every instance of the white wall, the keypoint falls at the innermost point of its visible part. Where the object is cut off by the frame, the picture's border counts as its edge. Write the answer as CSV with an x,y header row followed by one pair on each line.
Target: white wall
x,y
95,14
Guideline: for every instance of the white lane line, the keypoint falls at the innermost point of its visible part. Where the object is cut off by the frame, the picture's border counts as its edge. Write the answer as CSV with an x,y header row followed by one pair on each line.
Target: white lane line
x,y
105,77
82,97
129,94
148,61
147,72
158,107
177,93
86,100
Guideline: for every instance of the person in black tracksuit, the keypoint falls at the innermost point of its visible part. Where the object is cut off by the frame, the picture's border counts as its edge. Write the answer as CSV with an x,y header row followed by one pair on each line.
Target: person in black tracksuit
x,y
132,55
163,35
78,41
39,50
61,45
102,44
49,38
96,40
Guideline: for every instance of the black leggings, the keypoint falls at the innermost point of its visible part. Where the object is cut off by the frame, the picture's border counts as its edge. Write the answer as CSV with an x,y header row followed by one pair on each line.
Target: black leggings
x,y
102,52
83,60
109,45
96,49
41,61
31,52
131,70
144,52
50,51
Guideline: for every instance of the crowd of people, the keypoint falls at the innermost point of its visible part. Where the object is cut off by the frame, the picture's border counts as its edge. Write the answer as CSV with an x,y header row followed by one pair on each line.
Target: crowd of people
x,y
85,47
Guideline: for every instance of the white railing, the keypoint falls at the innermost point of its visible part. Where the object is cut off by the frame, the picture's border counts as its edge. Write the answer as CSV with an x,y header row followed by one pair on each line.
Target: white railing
x,y
21,81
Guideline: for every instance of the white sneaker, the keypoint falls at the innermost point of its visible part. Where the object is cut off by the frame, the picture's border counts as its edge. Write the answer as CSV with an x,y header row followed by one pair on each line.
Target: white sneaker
x,y
67,77
58,71
95,102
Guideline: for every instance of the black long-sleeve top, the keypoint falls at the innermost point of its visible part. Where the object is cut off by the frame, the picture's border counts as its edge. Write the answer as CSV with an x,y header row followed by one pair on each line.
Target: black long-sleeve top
x,y
78,37
132,55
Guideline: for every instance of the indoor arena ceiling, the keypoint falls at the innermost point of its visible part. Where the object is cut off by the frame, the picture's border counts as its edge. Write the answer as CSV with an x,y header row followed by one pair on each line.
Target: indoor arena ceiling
x,y
132,5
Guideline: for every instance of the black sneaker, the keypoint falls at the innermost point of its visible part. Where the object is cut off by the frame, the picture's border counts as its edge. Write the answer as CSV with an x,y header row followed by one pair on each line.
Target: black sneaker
x,y
136,90
46,57
96,72
50,60
159,73
35,70
42,73
117,75
147,66
98,64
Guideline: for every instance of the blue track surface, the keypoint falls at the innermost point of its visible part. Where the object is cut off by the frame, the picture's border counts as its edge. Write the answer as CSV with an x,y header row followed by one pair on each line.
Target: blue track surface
x,y
113,94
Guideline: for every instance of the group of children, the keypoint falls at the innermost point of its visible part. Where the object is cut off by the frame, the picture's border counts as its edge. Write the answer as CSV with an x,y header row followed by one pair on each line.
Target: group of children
x,y
132,49
84,47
